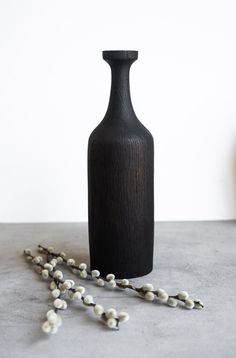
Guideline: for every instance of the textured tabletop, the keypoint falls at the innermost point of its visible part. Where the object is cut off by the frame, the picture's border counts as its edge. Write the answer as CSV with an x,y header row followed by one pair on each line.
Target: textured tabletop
x,y
199,257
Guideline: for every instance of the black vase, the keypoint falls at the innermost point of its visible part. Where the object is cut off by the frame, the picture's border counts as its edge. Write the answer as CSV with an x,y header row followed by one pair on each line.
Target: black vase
x,y
121,182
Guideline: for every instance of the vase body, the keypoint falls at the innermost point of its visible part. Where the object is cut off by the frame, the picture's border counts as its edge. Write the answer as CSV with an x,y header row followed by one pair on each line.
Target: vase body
x,y
121,182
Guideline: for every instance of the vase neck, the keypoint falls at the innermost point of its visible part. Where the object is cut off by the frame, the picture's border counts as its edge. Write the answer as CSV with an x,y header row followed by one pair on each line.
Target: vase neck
x,y
120,104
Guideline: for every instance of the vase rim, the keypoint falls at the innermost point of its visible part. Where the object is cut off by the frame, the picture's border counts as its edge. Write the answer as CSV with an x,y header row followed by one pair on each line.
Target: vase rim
x,y
120,55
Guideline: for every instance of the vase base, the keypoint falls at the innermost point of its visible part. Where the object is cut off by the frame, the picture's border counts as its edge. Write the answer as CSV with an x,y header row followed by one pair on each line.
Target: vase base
x,y
125,274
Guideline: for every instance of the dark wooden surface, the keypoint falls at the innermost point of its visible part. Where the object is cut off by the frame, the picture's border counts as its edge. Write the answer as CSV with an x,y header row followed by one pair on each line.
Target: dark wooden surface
x,y
120,182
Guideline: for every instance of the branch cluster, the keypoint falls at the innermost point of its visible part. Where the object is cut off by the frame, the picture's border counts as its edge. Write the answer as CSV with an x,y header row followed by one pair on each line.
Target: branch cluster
x,y
62,289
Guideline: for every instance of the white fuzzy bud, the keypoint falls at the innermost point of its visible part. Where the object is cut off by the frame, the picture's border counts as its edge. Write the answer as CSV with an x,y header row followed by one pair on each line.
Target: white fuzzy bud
x,y
88,299
124,282
172,302
29,258
53,262
111,313
46,327
28,251
160,291
48,266
95,273
111,323
64,286
59,260
67,285
83,274
76,296
183,295
80,289
63,254
58,274
56,293
58,303
162,295
72,282
49,313
110,277
37,259
149,296
52,318
50,249
82,266
123,317
100,282
64,305
148,287
70,262
112,283
189,304
45,274
98,310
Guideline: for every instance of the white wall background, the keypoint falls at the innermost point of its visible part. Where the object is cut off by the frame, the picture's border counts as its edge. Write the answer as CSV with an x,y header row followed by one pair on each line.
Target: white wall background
x,y
54,89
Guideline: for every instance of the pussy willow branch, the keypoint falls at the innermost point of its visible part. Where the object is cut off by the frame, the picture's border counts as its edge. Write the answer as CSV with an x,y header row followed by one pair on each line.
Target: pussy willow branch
x,y
146,291
110,317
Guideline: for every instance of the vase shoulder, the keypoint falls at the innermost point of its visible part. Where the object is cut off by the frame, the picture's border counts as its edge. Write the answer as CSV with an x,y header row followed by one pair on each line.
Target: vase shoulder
x,y
105,132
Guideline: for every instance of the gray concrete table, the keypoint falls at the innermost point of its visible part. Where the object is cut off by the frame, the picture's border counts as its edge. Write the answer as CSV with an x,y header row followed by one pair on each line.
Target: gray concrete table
x,y
199,257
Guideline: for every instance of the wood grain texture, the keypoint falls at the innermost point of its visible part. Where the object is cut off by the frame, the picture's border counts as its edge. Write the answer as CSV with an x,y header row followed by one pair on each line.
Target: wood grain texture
x,y
120,182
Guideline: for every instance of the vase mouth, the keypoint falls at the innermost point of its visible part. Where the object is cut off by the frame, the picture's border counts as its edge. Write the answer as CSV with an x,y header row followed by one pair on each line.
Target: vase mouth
x,y
120,55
